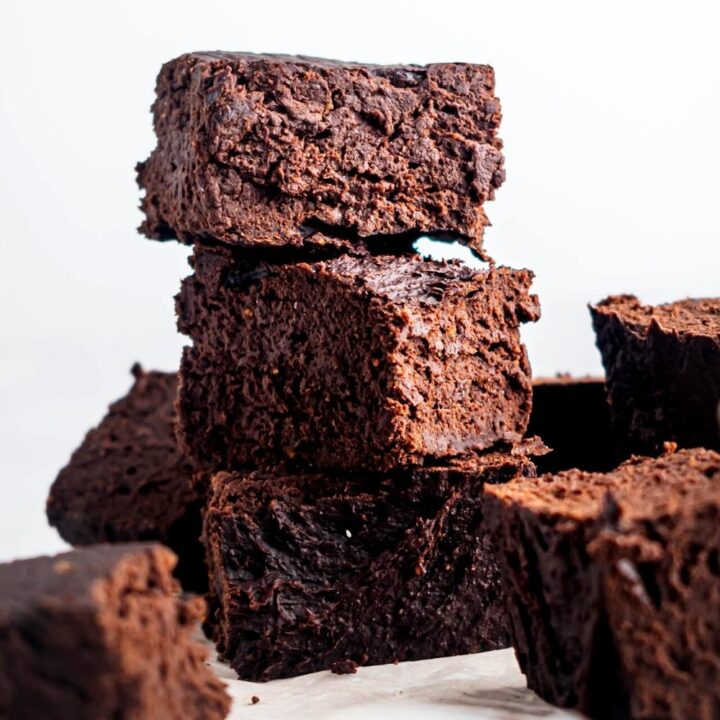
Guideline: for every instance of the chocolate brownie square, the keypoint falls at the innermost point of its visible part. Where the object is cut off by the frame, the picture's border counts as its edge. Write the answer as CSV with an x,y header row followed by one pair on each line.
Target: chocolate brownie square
x,y
252,149
572,417
368,362
663,371
662,590
612,584
99,634
129,481
320,571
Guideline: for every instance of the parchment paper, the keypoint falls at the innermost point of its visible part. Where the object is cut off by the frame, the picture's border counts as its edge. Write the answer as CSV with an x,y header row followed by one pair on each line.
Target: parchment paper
x,y
486,685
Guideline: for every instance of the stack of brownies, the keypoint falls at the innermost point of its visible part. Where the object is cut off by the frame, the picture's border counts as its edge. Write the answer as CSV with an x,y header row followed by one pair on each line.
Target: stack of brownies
x,y
343,401
342,462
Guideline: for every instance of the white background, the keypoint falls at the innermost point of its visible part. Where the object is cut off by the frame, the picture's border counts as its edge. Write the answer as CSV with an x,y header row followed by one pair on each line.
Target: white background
x,y
612,120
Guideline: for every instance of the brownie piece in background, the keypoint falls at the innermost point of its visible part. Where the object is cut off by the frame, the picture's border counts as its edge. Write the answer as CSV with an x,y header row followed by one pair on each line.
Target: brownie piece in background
x,y
253,147
100,633
572,416
129,480
351,363
611,584
327,571
663,372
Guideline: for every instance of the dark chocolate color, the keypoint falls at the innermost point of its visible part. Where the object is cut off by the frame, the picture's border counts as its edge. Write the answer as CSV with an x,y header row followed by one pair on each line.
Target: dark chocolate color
x,y
129,481
572,417
351,363
324,571
612,585
251,148
100,634
663,372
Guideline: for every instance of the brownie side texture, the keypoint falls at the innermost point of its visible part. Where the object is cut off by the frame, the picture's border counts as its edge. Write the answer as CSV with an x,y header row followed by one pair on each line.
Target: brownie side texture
x,y
129,481
328,571
663,371
251,148
662,590
351,363
98,634
568,622
572,417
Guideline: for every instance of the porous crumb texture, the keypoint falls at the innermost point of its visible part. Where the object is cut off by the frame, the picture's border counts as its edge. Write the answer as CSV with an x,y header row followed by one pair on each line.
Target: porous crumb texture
x,y
572,417
663,371
98,634
129,481
570,622
662,593
319,571
253,147
354,362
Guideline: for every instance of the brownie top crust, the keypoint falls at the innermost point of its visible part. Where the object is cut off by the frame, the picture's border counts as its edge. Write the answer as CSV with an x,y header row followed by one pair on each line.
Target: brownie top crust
x,y
407,280
75,577
404,73
253,149
413,281
699,316
641,488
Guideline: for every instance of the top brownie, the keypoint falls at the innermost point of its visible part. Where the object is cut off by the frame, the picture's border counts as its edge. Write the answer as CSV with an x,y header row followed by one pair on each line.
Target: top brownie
x,y
256,150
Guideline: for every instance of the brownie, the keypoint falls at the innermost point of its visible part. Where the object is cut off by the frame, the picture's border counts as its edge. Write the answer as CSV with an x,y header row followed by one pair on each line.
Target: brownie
x,y
315,571
130,481
255,149
351,363
612,585
572,417
663,371
99,634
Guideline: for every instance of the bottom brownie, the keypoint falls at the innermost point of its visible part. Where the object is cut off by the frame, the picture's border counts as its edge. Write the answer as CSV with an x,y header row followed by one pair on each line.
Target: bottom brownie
x,y
319,571
100,634
129,481
613,585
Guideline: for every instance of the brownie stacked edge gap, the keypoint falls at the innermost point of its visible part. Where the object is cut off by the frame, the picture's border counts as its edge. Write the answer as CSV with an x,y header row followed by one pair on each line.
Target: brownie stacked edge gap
x,y
359,395
612,583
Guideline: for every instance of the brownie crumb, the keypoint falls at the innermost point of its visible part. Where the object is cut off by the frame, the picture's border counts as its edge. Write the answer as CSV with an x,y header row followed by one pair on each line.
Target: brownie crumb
x,y
254,699
344,667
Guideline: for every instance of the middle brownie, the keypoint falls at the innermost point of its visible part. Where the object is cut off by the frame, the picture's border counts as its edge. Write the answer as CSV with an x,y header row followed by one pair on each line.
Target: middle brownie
x,y
330,570
368,362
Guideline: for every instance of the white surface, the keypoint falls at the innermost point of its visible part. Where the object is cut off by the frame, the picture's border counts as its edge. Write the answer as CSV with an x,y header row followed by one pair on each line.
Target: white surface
x,y
487,686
